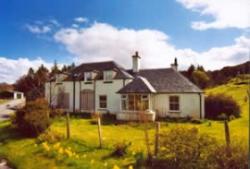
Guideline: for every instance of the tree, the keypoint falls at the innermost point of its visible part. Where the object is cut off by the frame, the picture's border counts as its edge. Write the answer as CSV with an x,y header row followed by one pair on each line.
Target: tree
x,y
54,70
200,78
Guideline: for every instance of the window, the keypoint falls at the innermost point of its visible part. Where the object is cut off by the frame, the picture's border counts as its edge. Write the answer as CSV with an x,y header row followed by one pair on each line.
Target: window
x,y
124,102
87,76
174,103
135,102
103,101
108,75
144,102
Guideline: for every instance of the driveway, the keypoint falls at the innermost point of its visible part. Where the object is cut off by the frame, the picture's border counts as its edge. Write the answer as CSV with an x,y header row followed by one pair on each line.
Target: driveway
x,y
7,109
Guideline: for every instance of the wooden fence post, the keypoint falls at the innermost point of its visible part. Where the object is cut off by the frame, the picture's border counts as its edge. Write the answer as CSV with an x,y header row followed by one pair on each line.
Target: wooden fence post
x,y
157,131
99,132
227,133
67,125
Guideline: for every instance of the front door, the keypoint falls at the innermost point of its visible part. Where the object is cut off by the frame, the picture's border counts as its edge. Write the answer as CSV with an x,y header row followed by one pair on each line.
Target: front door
x,y
87,100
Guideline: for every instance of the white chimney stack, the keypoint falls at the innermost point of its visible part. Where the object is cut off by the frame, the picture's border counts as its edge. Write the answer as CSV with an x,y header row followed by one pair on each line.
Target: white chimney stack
x,y
136,62
175,65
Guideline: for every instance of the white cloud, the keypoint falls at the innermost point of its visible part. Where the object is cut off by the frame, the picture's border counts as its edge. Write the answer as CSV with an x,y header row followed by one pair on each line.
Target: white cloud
x,y
75,25
38,29
12,69
104,42
81,19
54,22
225,13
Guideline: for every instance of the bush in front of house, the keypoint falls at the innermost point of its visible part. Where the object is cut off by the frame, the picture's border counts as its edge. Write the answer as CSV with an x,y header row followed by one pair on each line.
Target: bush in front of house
x,y
184,148
33,119
235,157
217,105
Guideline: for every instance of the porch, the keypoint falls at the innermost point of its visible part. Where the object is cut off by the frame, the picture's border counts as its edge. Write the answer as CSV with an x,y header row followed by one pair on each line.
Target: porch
x,y
136,107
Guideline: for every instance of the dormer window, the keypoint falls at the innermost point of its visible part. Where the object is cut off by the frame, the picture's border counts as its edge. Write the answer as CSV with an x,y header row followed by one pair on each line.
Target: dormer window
x,y
88,76
108,75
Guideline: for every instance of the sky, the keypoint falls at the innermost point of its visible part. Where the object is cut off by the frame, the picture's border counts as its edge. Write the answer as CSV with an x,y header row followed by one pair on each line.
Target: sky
x,y
212,33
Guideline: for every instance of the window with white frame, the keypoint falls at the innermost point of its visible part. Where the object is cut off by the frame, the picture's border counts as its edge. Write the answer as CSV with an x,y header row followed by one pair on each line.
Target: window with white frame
x,y
108,75
124,102
144,102
135,102
103,101
87,76
174,103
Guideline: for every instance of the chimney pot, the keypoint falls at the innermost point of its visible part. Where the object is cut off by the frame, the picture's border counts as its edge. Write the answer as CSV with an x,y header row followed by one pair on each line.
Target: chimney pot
x,y
175,64
136,62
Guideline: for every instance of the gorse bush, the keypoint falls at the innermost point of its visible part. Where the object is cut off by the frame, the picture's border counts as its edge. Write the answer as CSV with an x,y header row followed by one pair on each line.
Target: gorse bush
x,y
233,158
49,136
217,105
183,148
33,119
186,148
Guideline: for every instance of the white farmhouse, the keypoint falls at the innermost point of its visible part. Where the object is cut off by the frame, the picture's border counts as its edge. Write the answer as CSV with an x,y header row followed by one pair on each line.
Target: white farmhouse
x,y
107,87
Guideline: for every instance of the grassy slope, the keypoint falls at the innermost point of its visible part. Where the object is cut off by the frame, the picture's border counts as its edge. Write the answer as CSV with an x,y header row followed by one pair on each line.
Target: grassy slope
x,y
25,154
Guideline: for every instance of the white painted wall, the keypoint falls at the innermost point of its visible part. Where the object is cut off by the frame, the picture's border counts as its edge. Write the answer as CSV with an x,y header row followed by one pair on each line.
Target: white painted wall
x,y
189,102
108,89
189,105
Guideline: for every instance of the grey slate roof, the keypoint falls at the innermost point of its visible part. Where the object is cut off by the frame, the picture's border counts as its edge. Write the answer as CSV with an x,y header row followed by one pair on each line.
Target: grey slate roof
x,y
167,81
99,67
146,80
138,85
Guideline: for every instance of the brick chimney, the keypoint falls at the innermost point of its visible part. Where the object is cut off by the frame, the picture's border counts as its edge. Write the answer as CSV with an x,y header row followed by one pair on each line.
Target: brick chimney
x,y
175,65
136,62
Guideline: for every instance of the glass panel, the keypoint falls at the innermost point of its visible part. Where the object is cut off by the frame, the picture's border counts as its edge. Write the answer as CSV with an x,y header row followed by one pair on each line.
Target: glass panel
x,y
174,103
108,75
103,101
131,102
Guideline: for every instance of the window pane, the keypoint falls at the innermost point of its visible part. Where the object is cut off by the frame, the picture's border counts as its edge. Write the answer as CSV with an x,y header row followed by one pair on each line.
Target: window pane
x,y
108,75
131,102
174,103
103,101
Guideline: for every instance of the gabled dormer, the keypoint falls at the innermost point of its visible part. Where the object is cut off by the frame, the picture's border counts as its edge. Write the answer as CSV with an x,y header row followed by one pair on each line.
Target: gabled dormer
x,y
108,75
89,76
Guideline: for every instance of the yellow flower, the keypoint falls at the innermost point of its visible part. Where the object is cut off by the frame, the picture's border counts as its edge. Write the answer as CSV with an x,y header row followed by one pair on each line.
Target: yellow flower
x,y
84,155
105,164
68,152
56,146
130,167
60,151
116,167
45,146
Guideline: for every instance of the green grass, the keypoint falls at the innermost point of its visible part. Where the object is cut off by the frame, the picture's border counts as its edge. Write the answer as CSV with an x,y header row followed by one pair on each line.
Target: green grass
x,y
25,153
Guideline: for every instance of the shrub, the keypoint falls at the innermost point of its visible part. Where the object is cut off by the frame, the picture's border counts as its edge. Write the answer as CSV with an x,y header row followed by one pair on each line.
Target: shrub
x,y
121,149
183,148
50,137
237,159
56,113
216,105
33,119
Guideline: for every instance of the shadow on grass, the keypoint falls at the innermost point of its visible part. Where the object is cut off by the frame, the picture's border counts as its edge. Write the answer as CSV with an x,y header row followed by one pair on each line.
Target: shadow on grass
x,y
9,133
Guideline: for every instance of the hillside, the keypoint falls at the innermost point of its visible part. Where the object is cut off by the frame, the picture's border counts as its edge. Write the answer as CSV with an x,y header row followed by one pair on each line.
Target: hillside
x,y
216,77
237,88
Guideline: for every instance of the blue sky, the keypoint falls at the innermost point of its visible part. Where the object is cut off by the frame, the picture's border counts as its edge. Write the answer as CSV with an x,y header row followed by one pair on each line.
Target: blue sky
x,y
34,32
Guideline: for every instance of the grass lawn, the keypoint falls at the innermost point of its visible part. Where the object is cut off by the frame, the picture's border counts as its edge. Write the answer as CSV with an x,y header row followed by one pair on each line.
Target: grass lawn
x,y
25,153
